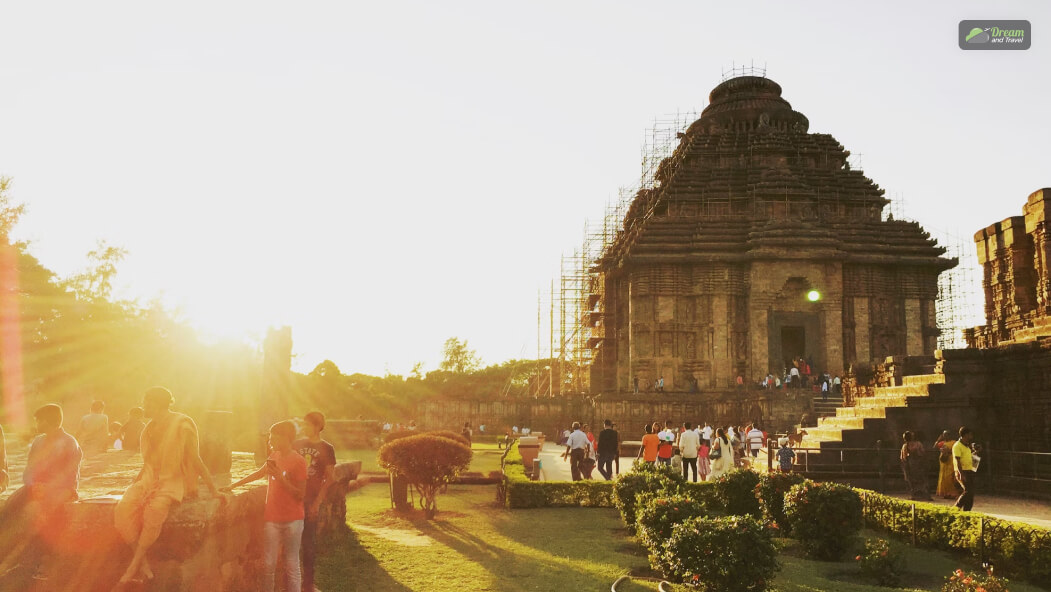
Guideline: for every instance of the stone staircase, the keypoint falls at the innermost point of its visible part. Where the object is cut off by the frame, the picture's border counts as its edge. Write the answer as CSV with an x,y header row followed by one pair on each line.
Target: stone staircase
x,y
847,426
823,408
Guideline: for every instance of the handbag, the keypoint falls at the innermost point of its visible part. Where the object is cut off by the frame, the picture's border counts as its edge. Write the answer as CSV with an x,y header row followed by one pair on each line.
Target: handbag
x,y
716,453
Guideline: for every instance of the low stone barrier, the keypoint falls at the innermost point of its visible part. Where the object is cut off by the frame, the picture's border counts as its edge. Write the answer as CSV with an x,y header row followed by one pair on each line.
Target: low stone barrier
x,y
204,545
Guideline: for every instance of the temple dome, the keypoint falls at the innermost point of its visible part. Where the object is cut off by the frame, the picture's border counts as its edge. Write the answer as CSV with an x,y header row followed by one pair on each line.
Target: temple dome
x,y
748,103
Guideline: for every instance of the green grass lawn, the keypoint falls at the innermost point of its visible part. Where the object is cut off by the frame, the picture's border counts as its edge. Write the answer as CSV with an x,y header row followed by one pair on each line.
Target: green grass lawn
x,y
476,544
486,458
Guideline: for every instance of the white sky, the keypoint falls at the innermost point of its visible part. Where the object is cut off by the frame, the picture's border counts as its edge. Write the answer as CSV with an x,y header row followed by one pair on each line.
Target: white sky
x,y
385,175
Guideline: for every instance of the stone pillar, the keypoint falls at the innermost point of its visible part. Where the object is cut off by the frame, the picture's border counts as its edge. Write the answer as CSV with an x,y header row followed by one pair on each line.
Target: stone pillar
x,y
215,432
721,362
862,341
832,321
913,327
760,334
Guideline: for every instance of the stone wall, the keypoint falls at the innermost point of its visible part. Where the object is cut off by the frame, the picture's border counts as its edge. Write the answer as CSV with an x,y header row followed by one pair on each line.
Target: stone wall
x,y
776,410
204,545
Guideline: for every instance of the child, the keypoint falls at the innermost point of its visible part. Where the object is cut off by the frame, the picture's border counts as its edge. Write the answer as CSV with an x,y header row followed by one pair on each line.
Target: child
x,y
676,460
704,466
283,517
785,456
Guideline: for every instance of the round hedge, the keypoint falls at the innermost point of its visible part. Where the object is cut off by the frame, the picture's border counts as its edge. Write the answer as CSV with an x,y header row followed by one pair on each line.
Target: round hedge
x,y
825,517
720,554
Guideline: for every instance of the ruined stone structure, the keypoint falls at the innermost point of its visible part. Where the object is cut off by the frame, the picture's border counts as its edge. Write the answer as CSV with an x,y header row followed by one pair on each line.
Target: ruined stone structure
x,y
1016,276
709,278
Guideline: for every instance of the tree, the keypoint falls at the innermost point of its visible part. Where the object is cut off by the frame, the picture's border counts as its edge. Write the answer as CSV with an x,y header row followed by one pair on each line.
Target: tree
x,y
96,284
428,462
456,357
9,212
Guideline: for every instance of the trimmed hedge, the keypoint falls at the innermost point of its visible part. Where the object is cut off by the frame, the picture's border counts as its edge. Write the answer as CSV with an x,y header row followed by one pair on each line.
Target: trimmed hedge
x,y
521,492
1017,549
719,554
658,516
771,492
646,480
825,517
737,491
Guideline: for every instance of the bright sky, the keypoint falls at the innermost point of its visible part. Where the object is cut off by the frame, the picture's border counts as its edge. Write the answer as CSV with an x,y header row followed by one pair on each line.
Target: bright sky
x,y
382,176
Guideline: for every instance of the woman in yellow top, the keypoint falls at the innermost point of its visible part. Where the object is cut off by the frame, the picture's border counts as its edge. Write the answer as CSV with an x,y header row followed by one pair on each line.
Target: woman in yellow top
x,y
946,481
650,442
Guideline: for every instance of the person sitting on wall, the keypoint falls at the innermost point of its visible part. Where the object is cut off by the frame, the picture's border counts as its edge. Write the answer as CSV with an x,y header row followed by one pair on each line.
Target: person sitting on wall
x,y
93,433
49,483
171,463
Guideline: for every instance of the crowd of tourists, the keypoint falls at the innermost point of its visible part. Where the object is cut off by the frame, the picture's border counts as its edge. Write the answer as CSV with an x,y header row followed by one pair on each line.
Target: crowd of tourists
x,y
298,470
699,451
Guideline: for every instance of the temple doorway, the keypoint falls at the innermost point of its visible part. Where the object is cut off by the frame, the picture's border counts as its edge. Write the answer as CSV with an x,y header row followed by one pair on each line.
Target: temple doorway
x,y
793,342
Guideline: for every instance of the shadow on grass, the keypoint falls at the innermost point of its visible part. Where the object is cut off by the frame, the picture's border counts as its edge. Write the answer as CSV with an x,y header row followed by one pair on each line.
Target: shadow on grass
x,y
343,565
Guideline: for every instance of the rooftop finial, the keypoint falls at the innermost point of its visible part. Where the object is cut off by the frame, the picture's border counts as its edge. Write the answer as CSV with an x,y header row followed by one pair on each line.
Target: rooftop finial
x,y
744,70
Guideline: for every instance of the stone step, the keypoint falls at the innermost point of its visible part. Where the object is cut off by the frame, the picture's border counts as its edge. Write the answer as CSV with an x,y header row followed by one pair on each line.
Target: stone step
x,y
822,434
847,423
861,412
880,401
918,379
908,390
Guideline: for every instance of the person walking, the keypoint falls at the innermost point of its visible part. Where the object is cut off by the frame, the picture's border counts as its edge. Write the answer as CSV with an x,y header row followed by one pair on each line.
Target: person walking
x,y
755,440
608,449
946,482
720,454
650,443
912,463
689,446
576,450
965,465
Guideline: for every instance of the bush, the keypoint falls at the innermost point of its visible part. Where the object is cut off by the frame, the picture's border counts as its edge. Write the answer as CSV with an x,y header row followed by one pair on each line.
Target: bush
x,y
428,463
656,518
1018,549
399,434
648,480
731,553
736,489
881,562
521,492
825,517
451,435
974,582
771,492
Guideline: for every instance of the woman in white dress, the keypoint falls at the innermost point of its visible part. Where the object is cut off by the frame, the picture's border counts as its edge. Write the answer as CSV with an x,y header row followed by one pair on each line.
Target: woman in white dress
x,y
724,462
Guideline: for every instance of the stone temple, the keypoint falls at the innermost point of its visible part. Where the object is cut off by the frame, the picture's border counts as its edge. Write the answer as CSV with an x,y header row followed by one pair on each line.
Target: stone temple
x,y
758,244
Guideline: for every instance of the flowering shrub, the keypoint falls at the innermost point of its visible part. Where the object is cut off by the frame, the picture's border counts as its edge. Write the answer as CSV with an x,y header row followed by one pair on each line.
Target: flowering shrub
x,y
737,491
717,554
645,479
881,562
656,518
825,517
771,492
428,462
974,582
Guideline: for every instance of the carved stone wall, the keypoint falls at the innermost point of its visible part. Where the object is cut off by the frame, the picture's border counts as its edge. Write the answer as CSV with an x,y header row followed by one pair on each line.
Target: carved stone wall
x,y
1015,277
